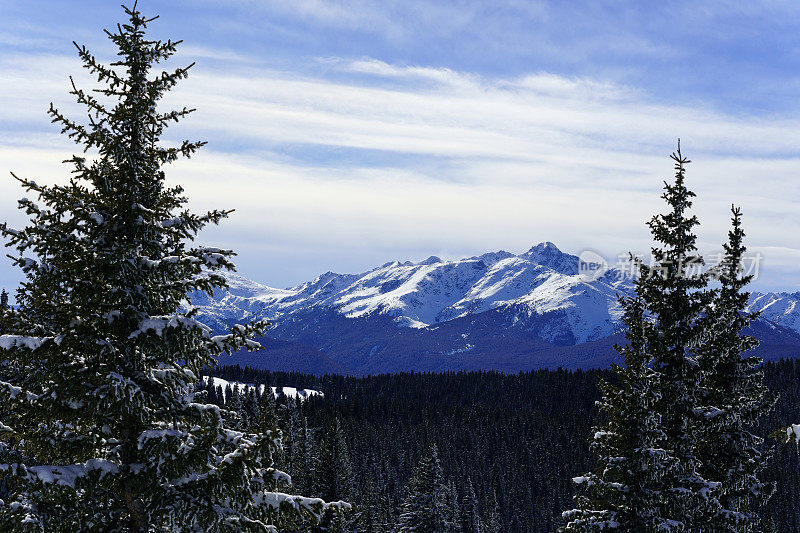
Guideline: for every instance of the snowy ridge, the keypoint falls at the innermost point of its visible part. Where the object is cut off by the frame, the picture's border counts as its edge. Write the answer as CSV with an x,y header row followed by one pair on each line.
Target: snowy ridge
x,y
782,308
542,281
289,392
540,289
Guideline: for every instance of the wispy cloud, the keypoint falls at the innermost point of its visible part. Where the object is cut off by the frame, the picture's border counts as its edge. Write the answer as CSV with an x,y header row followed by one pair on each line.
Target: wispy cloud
x,y
459,163
347,132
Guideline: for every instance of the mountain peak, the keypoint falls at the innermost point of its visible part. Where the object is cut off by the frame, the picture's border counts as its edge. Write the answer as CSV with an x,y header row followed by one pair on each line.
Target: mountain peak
x,y
542,247
491,258
324,278
432,260
547,254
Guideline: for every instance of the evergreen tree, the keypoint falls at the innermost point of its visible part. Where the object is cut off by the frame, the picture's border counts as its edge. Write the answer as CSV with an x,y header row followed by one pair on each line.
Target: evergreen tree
x,y
211,395
733,397
453,516
307,460
107,429
251,402
470,513
426,506
625,490
267,408
493,519
673,292
336,477
289,418
3,308
234,406
377,511
368,505
650,474
6,456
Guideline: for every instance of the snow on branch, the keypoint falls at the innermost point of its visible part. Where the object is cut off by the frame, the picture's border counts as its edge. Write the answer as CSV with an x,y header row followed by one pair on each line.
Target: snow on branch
x,y
314,506
146,262
214,256
161,434
157,325
65,475
708,412
239,337
14,392
9,342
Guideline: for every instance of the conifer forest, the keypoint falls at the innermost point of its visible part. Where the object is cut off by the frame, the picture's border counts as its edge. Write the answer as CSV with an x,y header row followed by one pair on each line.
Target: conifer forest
x,y
147,384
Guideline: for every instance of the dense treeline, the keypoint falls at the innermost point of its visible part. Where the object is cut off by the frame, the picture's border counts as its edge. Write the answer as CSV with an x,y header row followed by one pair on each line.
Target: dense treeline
x,y
517,440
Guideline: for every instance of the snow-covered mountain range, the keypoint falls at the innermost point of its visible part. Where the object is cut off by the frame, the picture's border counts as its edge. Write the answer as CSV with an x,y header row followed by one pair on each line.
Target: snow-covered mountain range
x,y
529,307
420,295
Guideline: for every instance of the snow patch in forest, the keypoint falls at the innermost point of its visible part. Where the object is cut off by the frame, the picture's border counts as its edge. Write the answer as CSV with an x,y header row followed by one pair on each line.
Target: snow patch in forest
x,y
290,392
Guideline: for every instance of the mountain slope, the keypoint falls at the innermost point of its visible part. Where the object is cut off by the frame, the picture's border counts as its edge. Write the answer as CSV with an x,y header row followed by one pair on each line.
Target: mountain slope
x,y
496,311
782,308
419,295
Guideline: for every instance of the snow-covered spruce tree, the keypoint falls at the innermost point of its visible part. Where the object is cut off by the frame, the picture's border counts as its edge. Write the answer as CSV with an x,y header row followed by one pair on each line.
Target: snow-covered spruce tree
x,y
673,292
376,507
733,397
624,492
104,429
426,506
665,326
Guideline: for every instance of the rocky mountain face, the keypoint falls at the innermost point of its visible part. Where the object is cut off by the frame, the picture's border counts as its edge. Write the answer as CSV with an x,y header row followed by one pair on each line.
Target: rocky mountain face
x,y
496,311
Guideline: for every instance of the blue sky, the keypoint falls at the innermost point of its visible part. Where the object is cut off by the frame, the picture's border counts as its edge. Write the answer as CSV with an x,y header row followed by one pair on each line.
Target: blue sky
x,y
349,133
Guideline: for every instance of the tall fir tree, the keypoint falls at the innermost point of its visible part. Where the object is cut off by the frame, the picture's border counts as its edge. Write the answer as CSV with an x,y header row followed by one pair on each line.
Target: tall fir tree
x,y
105,427
733,397
673,292
650,474
625,491
335,475
5,455
234,404
426,508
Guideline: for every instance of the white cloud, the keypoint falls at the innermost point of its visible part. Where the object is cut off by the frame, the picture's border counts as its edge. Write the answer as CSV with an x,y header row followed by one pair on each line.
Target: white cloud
x,y
435,159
